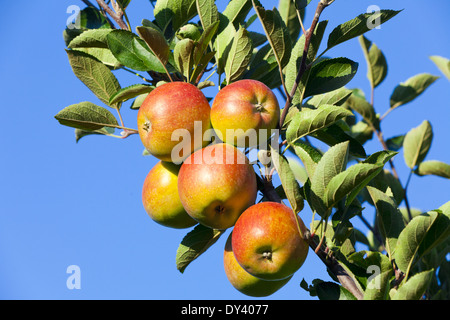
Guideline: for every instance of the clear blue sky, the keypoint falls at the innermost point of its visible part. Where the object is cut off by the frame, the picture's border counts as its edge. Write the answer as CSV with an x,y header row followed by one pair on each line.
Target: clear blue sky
x,y
63,203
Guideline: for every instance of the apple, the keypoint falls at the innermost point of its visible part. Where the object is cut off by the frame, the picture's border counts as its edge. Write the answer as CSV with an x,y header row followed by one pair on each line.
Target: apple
x,y
160,197
171,106
216,184
243,281
243,108
266,241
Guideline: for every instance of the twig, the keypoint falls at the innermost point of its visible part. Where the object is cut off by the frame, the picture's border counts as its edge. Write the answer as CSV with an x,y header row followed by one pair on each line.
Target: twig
x,y
301,21
116,16
379,135
320,7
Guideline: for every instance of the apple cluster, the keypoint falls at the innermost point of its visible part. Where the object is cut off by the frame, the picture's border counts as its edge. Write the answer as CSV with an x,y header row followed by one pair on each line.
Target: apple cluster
x,y
216,185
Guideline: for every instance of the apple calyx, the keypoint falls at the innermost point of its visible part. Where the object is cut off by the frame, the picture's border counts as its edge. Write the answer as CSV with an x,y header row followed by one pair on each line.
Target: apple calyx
x,y
220,209
147,126
260,108
267,255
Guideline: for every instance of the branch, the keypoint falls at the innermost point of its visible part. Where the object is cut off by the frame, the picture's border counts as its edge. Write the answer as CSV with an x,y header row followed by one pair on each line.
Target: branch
x,y
320,7
117,16
333,265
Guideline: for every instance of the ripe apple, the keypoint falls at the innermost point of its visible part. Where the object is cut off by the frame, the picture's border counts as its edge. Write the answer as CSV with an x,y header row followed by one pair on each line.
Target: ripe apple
x,y
171,106
241,106
216,184
243,281
267,243
160,197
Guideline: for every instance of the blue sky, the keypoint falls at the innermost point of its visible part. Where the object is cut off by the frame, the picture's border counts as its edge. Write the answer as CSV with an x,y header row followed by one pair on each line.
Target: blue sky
x,y
66,204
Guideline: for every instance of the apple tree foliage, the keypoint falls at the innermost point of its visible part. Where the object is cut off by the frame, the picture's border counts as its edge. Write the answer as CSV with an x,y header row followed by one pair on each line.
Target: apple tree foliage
x,y
190,40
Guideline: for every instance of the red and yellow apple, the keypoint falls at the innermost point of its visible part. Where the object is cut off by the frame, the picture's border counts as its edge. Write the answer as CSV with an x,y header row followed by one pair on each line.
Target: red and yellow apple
x,y
172,106
160,197
243,281
266,241
216,184
244,112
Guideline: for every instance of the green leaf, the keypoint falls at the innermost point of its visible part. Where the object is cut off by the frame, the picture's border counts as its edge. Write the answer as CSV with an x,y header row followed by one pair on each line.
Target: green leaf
x,y
237,11
208,12
133,52
433,167
183,55
80,133
263,63
361,132
288,13
293,66
385,180
443,64
337,97
350,182
86,116
276,32
201,56
410,239
415,287
410,89
104,55
124,3
378,287
390,219
156,42
308,154
196,242
91,38
288,181
336,238
327,290
333,162
130,92
329,75
308,121
223,42
163,14
298,169
333,135
358,26
439,231
257,38
183,11
239,56
301,4
395,143
364,108
417,143
94,74
138,101
364,259
376,62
